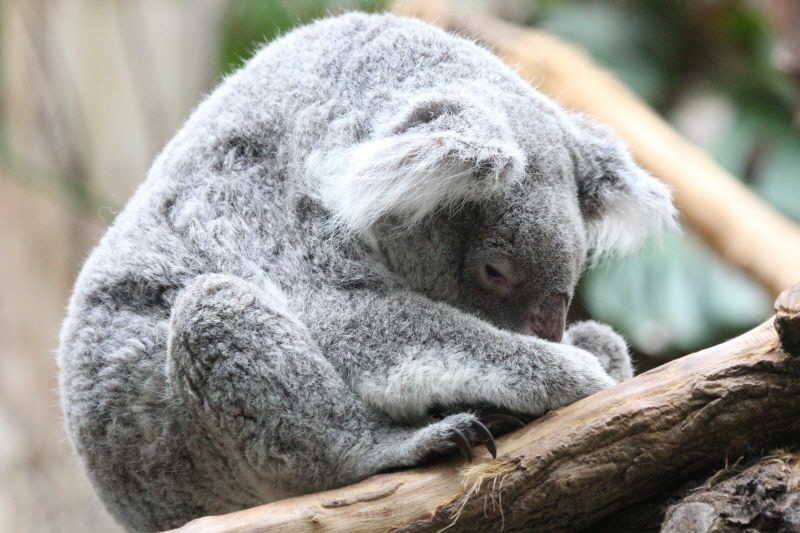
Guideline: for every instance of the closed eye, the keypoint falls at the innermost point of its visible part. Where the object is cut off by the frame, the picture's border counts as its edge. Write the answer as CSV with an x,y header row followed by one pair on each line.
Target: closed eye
x,y
496,275
493,273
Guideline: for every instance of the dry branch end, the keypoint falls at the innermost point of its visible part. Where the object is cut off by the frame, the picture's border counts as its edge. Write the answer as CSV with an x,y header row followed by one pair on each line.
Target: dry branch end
x,y
787,320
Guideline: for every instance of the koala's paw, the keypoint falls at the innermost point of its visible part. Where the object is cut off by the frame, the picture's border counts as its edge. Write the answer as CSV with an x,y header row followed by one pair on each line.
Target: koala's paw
x,y
460,432
605,344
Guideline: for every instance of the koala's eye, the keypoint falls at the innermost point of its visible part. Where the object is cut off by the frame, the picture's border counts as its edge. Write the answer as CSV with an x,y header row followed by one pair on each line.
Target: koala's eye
x,y
495,275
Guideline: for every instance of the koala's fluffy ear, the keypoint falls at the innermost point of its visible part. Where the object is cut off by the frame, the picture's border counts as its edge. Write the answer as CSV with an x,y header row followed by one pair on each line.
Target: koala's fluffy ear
x,y
436,153
619,200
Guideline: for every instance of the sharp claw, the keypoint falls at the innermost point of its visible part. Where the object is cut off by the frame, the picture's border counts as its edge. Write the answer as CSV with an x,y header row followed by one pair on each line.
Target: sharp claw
x,y
500,418
463,445
485,436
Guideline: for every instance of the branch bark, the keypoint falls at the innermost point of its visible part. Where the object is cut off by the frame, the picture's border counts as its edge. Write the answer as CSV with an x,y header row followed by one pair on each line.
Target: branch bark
x,y
742,228
575,465
762,497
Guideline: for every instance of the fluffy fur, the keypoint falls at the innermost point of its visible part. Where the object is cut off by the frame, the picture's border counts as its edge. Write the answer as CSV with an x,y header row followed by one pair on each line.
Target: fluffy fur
x,y
426,161
302,277
619,206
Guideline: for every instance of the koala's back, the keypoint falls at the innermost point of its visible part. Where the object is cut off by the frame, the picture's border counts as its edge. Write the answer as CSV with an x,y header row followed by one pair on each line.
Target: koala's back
x,y
228,194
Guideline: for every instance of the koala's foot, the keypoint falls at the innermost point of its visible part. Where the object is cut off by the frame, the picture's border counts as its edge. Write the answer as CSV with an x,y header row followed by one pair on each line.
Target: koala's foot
x,y
605,344
460,432
464,431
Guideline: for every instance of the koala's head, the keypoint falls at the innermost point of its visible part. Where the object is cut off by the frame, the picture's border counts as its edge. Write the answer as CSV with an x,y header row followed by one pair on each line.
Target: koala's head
x,y
492,212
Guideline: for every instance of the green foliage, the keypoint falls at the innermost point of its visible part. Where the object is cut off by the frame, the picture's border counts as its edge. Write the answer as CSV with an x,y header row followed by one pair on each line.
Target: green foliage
x,y
250,23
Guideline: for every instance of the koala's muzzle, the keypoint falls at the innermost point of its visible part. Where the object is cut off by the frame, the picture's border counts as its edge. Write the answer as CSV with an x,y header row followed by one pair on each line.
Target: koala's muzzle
x,y
547,318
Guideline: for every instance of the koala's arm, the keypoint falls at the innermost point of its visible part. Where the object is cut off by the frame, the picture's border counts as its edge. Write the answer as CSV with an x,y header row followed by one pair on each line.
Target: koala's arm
x,y
406,354
253,380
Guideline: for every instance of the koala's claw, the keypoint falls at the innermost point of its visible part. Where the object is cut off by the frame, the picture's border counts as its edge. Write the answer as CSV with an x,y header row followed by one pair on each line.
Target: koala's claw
x,y
482,436
502,419
486,438
463,444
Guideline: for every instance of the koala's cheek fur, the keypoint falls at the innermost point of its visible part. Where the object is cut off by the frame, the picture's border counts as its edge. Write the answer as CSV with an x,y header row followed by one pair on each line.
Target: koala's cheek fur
x,y
289,293
537,236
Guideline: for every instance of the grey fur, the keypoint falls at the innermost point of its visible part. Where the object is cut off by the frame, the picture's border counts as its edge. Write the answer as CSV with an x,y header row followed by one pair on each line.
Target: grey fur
x,y
606,345
298,281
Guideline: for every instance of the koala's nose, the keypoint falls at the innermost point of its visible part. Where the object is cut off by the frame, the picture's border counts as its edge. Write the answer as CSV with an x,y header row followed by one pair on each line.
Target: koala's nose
x,y
547,318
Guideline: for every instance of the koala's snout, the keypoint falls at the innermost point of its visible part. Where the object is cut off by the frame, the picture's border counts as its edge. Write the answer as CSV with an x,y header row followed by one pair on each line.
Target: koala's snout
x,y
547,318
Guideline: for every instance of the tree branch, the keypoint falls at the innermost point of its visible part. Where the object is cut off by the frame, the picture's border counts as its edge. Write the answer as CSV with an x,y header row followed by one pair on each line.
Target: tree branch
x,y
741,227
762,497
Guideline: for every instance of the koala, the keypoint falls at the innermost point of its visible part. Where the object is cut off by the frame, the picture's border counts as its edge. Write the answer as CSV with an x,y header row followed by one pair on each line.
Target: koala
x,y
356,254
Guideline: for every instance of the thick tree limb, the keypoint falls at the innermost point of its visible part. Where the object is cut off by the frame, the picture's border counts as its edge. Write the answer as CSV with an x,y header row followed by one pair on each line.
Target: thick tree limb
x,y
762,497
575,465
747,496
742,228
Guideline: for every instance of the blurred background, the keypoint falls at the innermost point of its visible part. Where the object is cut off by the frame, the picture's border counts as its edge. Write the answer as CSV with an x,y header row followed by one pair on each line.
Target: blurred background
x,y
91,90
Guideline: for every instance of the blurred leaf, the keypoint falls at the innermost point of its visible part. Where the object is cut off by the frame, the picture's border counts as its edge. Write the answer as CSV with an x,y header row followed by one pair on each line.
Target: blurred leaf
x,y
673,297
251,23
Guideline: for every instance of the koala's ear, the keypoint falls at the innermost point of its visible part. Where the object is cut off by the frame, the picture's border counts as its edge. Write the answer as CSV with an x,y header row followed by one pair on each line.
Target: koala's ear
x,y
619,200
428,156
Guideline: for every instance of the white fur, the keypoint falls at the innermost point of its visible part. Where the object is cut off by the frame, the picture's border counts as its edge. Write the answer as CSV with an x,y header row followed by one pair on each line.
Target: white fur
x,y
415,385
626,201
411,175
642,205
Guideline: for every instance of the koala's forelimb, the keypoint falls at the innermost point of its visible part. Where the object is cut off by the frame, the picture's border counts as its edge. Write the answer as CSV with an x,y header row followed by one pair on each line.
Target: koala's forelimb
x,y
253,378
430,354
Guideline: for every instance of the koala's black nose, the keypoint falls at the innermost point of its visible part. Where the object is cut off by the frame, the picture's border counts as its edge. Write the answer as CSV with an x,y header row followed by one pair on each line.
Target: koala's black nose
x,y
547,318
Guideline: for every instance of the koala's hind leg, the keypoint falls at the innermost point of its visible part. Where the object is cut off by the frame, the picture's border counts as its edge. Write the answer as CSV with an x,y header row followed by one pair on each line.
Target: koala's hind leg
x,y
267,415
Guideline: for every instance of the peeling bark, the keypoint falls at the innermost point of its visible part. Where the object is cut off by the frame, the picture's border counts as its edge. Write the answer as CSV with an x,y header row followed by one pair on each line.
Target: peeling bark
x,y
763,497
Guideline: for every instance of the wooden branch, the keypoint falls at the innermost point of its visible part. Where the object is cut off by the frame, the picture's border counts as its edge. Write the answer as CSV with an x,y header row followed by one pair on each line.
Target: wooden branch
x,y
742,228
761,497
571,467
